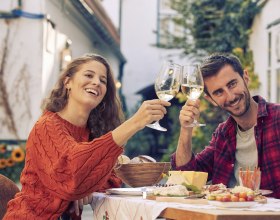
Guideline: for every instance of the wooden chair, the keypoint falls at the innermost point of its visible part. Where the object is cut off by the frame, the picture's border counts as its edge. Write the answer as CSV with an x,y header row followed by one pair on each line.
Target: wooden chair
x,y
8,189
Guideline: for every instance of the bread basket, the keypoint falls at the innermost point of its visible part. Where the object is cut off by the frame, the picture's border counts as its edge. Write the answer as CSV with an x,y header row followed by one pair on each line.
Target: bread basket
x,y
142,174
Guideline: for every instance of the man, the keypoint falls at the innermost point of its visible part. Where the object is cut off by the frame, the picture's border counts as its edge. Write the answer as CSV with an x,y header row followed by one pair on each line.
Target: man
x,y
250,137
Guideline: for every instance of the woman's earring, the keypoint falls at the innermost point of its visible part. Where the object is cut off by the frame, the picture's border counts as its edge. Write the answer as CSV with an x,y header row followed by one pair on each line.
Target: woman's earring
x,y
67,92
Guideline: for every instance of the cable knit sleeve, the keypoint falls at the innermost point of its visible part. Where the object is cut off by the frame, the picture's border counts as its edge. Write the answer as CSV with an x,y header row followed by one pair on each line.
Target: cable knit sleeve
x,y
69,169
113,182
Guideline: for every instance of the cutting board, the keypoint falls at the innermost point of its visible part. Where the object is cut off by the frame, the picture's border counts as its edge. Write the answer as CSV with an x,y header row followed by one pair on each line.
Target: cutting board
x,y
177,199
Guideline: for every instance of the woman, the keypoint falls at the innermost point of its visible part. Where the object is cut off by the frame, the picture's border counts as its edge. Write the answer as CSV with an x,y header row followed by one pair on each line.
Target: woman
x,y
73,147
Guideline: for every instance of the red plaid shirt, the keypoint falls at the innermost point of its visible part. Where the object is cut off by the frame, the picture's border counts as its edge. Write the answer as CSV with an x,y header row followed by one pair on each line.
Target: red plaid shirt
x,y
218,158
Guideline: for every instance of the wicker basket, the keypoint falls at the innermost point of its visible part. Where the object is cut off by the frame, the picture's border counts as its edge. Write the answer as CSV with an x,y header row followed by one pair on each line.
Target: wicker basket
x,y
142,174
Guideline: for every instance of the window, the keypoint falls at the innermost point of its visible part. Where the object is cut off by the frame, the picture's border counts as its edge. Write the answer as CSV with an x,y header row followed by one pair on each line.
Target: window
x,y
277,46
269,49
165,4
168,30
268,85
273,68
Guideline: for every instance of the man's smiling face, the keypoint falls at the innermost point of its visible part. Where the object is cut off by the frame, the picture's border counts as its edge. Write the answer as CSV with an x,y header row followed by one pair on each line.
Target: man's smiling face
x,y
228,90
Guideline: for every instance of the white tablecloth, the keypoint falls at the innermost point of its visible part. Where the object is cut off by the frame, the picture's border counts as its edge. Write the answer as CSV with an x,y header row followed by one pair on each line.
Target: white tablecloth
x,y
109,207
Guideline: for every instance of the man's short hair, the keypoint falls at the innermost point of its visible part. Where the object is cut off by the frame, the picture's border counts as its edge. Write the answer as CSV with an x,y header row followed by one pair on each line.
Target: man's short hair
x,y
214,63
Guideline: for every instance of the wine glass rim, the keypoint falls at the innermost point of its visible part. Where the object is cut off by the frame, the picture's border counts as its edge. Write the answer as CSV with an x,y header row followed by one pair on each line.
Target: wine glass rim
x,y
191,64
172,63
177,65
195,67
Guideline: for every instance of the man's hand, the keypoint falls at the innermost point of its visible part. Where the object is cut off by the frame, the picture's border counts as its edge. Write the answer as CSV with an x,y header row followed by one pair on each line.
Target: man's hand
x,y
189,112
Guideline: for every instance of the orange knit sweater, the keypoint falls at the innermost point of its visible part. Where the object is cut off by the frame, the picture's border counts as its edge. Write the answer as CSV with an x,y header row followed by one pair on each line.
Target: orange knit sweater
x,y
62,166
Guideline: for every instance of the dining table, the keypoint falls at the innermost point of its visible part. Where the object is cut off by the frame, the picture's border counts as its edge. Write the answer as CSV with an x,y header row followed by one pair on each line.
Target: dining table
x,y
124,206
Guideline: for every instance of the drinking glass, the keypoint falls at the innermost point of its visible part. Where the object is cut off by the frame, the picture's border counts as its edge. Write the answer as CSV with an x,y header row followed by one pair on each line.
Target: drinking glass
x,y
250,179
192,85
167,85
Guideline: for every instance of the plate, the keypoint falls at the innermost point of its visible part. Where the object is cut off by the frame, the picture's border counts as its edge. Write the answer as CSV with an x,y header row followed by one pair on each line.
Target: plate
x,y
138,191
232,204
265,192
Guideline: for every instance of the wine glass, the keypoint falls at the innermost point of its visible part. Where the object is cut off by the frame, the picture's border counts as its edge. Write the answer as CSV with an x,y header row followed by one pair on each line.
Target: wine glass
x,y
167,85
192,85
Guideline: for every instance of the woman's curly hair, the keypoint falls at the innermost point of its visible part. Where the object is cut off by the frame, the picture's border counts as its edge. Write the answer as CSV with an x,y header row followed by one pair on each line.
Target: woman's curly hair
x,y
102,119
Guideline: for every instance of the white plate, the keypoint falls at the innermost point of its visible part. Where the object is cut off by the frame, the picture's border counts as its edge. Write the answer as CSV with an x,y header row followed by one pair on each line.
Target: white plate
x,y
265,191
232,204
129,191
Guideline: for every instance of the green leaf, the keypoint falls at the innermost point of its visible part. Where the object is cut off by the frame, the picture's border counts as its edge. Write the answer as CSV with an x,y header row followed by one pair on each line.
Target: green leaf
x,y
192,188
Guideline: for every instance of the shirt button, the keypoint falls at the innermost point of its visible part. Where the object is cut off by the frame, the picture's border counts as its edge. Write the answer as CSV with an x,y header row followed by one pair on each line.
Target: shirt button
x,y
232,165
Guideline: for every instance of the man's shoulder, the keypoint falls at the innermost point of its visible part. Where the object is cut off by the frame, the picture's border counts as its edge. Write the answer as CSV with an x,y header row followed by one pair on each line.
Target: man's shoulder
x,y
273,109
275,106
263,104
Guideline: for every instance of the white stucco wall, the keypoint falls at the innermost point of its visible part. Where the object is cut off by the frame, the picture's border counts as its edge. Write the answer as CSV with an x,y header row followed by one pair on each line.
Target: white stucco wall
x,y
22,71
30,69
84,39
259,46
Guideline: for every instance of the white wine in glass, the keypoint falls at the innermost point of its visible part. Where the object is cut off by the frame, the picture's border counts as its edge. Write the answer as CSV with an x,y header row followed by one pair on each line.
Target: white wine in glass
x,y
166,95
192,85
167,85
192,91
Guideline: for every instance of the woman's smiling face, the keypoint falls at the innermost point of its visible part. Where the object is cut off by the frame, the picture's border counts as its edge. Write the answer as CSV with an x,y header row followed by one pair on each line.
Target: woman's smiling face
x,y
88,85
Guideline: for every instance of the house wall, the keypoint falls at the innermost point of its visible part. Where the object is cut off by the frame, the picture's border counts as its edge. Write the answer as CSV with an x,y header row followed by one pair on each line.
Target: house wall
x,y
32,62
22,69
259,43
84,39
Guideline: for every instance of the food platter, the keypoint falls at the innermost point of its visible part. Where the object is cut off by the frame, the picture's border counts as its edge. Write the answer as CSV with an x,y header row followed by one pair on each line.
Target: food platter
x,y
232,204
137,191
265,192
186,200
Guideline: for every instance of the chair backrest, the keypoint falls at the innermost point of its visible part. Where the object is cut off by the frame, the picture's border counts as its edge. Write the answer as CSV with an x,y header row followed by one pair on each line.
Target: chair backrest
x,y
8,189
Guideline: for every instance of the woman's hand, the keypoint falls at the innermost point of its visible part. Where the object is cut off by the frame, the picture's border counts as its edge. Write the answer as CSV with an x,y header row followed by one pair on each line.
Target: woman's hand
x,y
150,111
189,112
78,204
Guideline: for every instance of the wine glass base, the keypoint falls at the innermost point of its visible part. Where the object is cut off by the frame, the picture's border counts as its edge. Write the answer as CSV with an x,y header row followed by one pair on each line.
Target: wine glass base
x,y
156,127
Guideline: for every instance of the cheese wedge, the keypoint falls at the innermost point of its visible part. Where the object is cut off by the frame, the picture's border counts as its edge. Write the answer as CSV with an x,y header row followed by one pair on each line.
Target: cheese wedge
x,y
177,190
197,179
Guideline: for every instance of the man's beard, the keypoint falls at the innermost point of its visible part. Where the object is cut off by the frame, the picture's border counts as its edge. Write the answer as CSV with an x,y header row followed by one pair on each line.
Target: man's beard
x,y
246,96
